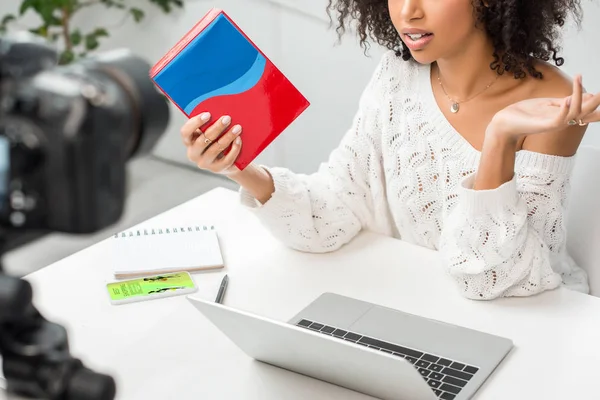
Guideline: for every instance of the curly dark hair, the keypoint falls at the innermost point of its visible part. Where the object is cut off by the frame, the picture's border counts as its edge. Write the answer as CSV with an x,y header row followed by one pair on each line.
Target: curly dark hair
x,y
521,30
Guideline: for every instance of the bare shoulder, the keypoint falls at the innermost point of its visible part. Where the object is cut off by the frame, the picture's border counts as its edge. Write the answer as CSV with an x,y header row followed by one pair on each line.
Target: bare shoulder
x,y
555,83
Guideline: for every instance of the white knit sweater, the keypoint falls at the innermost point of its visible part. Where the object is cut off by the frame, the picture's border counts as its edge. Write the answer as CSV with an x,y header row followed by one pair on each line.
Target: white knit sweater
x,y
403,171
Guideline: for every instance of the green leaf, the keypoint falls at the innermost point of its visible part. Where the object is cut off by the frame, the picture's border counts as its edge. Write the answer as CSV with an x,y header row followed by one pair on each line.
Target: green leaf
x,y
52,13
91,39
113,3
76,37
137,14
91,42
100,32
26,5
53,21
5,21
40,31
68,5
66,57
167,5
8,18
48,10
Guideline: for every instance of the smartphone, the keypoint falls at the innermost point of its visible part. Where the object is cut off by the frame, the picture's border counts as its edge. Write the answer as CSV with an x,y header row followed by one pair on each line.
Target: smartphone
x,y
151,287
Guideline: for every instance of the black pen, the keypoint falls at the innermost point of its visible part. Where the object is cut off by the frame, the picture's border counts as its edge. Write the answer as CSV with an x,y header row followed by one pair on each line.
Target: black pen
x,y
222,289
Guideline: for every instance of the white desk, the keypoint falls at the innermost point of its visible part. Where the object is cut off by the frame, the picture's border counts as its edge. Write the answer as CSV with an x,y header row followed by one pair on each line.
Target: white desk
x,y
166,349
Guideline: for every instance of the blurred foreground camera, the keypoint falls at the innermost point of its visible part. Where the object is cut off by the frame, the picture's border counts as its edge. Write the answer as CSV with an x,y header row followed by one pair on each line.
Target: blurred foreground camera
x,y
66,133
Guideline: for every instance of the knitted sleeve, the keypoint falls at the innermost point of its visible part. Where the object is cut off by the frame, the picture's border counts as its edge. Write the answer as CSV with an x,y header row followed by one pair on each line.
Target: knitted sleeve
x,y
325,210
505,241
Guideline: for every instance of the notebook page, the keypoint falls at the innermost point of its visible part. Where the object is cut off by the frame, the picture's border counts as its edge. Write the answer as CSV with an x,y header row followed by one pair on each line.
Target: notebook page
x,y
167,251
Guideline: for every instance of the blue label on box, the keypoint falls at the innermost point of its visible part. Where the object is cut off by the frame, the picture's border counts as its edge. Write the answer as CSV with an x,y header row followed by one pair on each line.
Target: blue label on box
x,y
220,52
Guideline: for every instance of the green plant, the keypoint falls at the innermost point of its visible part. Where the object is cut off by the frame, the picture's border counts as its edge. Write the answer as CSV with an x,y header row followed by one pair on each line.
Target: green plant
x,y
56,17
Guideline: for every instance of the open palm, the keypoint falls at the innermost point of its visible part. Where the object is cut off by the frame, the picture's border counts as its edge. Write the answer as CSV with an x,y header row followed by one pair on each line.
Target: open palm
x,y
544,115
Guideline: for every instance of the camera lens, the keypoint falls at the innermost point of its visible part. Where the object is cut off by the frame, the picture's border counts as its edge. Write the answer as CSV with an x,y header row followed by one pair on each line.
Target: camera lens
x,y
150,106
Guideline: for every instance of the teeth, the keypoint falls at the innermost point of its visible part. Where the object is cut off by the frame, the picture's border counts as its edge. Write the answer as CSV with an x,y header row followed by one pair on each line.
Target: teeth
x,y
416,36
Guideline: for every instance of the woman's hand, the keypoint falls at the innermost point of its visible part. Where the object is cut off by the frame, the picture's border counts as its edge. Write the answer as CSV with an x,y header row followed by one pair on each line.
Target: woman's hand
x,y
207,149
544,115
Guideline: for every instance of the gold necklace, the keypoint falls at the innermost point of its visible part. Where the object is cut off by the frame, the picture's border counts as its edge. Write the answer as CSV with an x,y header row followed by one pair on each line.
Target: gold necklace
x,y
455,105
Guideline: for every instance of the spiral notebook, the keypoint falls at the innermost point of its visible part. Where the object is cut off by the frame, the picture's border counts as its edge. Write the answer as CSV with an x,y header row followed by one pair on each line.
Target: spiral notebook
x,y
158,250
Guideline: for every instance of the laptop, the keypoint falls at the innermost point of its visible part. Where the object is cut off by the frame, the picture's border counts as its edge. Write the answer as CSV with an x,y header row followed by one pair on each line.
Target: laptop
x,y
368,348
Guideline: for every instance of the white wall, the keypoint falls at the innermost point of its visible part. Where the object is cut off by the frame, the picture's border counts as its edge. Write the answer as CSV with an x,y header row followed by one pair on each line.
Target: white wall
x,y
581,51
296,36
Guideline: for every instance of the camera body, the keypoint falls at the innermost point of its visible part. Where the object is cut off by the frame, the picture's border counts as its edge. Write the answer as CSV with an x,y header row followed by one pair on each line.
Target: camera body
x,y
67,133
62,134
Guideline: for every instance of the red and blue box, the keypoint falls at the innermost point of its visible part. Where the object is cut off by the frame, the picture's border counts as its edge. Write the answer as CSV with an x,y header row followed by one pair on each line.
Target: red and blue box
x,y
215,67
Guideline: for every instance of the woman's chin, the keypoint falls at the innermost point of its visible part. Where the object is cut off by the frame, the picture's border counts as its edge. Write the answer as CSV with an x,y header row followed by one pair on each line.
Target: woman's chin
x,y
423,57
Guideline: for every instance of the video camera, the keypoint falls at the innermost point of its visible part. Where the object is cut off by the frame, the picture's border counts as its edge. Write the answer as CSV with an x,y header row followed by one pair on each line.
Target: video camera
x,y
66,133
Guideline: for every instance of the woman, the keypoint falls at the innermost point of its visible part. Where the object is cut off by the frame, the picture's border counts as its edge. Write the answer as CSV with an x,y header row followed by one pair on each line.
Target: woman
x,y
463,141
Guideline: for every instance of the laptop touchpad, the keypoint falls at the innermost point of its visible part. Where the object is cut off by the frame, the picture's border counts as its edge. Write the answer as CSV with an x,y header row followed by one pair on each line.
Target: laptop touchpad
x,y
333,310
398,327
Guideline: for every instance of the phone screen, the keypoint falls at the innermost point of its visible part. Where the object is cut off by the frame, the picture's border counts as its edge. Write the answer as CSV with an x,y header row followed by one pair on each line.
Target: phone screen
x,y
151,285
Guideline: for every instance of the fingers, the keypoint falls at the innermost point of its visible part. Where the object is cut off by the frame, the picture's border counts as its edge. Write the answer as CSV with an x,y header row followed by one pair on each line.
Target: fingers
x,y
205,140
575,100
213,132
191,127
590,105
587,96
206,149
222,143
228,160
564,111
583,107
591,117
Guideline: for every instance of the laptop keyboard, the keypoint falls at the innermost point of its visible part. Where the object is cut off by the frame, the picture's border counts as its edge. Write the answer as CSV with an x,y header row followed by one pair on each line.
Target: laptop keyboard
x,y
445,377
